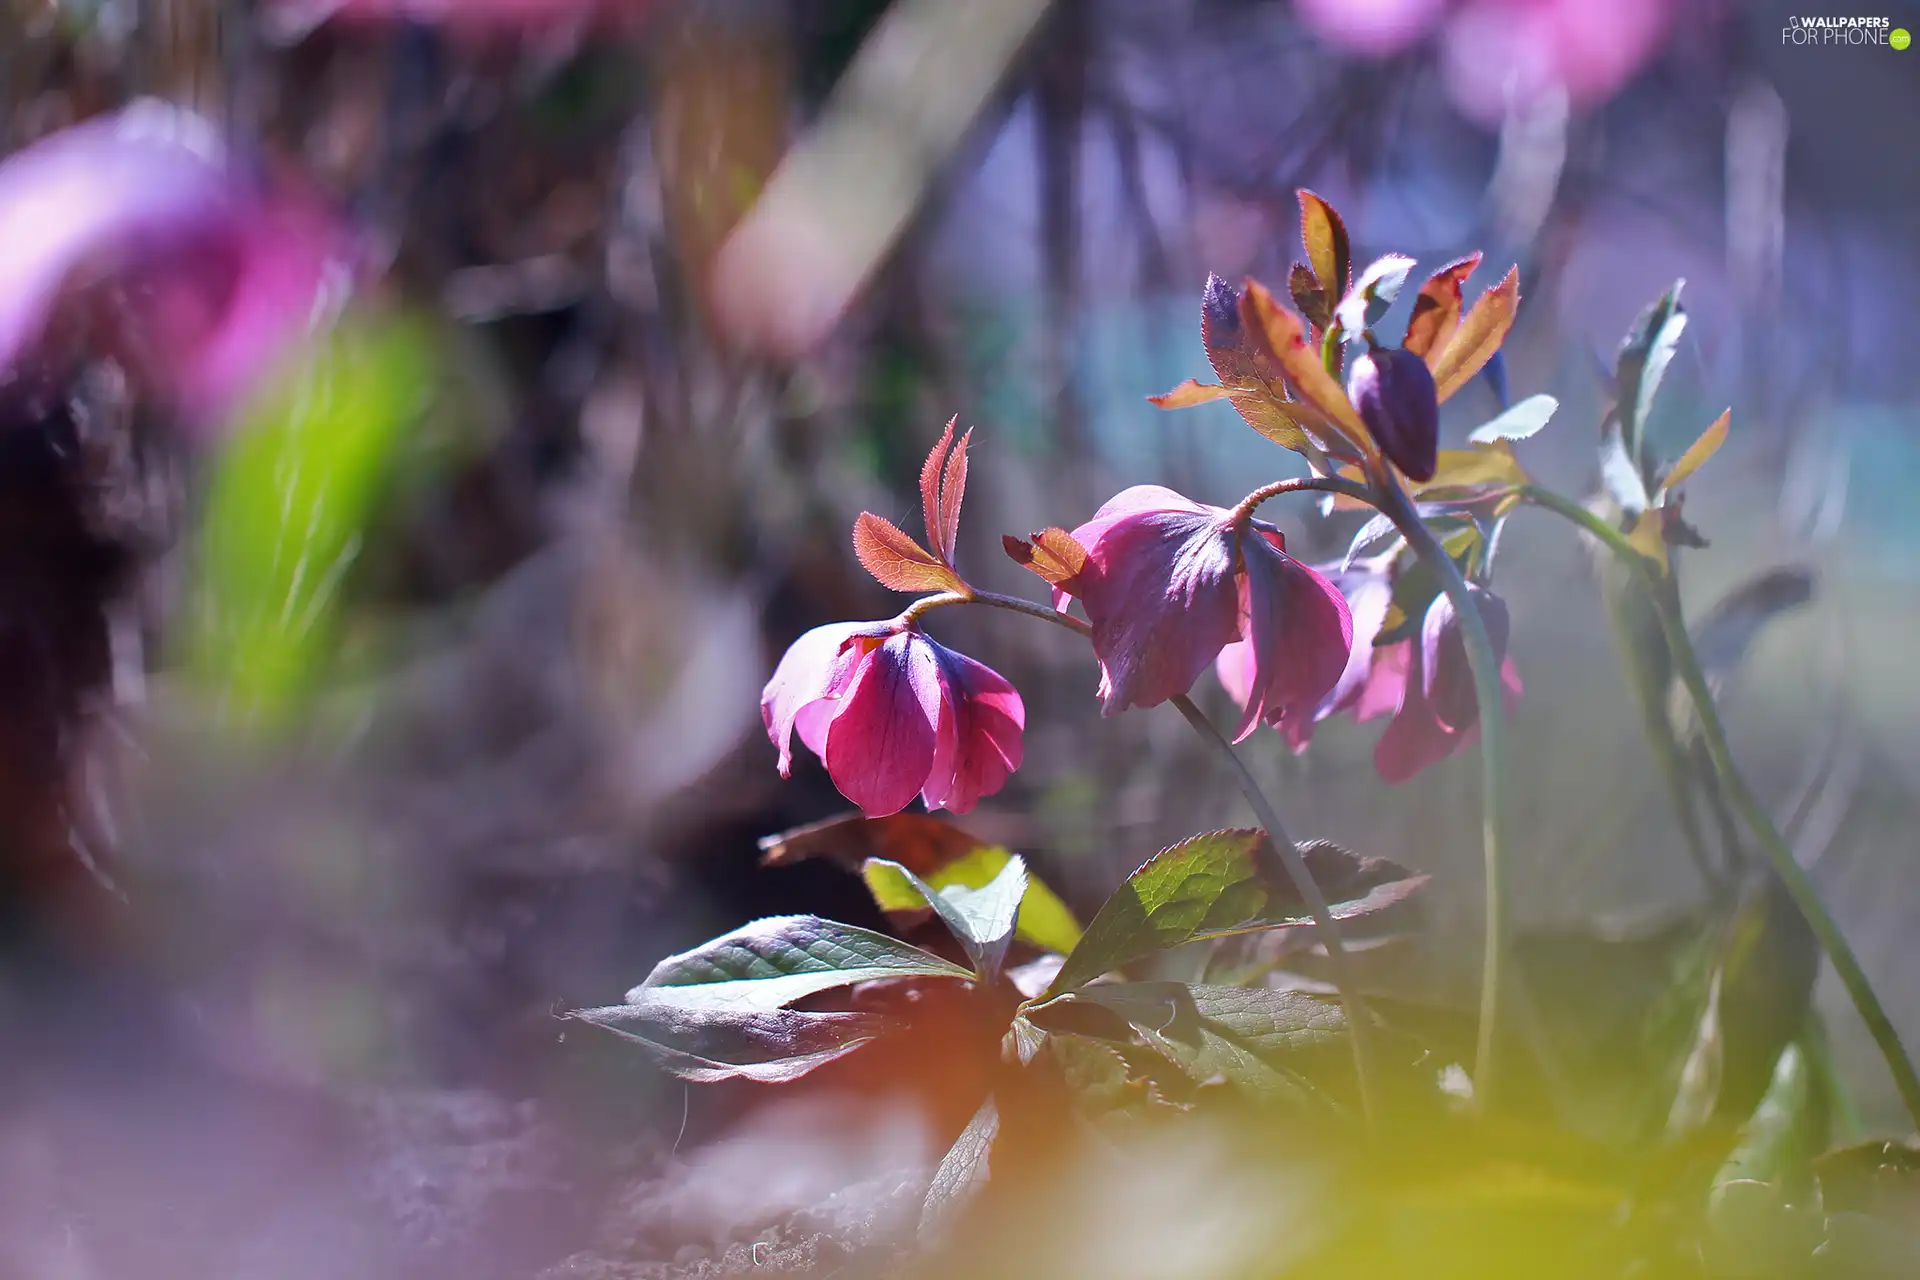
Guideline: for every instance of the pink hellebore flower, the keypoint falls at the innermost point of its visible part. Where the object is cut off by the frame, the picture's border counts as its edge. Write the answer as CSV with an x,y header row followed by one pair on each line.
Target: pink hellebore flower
x,y
1170,583
208,279
891,713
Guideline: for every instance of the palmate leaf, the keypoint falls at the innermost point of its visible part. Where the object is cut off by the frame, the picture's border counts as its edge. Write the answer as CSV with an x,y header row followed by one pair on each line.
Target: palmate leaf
x,y
1281,339
1638,369
1324,236
980,919
1367,302
1211,886
1517,423
896,561
1261,1039
962,1172
1479,334
1436,310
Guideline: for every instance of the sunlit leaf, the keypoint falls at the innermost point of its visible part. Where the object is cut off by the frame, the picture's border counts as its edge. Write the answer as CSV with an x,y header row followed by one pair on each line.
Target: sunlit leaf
x,y
1311,300
953,487
1367,302
771,1046
771,963
896,561
1281,339
1376,532
1210,886
1436,310
1518,422
930,504
1044,920
1640,365
962,1172
1324,235
980,919
1620,474
288,509
1257,1038
1250,376
1188,394
1787,1129
1478,335
1699,451
1053,554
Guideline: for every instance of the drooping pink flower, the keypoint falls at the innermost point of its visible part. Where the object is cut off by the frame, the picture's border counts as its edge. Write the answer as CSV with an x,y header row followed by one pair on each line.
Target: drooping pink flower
x,y
892,713
1424,683
1169,583
200,277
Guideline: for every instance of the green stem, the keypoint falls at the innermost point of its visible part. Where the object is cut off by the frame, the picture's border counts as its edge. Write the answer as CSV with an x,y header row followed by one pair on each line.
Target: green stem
x,y
1359,1020
1485,665
1785,865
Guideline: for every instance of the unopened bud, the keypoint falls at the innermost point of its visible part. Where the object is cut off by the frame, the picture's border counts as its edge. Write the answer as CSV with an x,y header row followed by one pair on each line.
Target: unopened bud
x,y
1394,393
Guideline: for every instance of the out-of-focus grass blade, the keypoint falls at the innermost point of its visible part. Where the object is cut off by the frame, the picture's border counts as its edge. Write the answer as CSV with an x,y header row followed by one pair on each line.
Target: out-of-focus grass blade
x,y
287,512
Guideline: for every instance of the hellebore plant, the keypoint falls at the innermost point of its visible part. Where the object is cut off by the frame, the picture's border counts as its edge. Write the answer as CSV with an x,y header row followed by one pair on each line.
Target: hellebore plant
x,y
1407,626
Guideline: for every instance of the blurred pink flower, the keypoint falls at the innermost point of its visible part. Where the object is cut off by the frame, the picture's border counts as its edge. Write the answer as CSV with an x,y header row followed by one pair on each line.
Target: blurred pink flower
x,y
1375,27
1169,583
197,279
1368,595
1503,53
892,713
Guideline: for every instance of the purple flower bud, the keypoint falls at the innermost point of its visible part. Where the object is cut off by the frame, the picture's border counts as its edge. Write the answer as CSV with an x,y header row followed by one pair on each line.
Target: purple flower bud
x,y
1393,391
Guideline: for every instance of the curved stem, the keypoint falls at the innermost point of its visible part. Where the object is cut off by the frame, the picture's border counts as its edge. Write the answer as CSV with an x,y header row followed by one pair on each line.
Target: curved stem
x,y
1485,665
1799,886
1294,867
1303,484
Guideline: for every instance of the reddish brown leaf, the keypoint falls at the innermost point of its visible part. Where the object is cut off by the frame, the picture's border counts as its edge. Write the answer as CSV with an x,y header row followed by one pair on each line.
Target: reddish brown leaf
x,y
1252,381
1281,338
896,560
1309,297
1189,394
1437,310
1325,237
930,493
1699,451
953,487
919,842
1479,335
1053,554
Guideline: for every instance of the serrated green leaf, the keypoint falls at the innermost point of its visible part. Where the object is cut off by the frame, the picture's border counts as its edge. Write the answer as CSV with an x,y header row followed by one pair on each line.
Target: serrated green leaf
x,y
706,1046
981,919
1245,1035
1211,886
1044,920
1517,423
771,963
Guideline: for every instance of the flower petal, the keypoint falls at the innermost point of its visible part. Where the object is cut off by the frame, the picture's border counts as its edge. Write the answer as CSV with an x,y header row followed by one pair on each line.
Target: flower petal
x,y
977,742
1301,631
816,667
1447,679
1415,738
880,746
1161,590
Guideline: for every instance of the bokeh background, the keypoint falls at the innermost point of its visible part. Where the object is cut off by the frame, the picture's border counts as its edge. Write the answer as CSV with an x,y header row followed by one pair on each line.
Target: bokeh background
x,y
645,301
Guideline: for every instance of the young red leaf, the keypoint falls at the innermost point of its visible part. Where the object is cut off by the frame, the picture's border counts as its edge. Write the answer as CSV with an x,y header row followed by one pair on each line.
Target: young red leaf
x,y
1699,451
930,493
896,560
1278,334
1479,335
1189,394
1309,297
1053,554
953,487
1437,310
1251,379
1325,237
